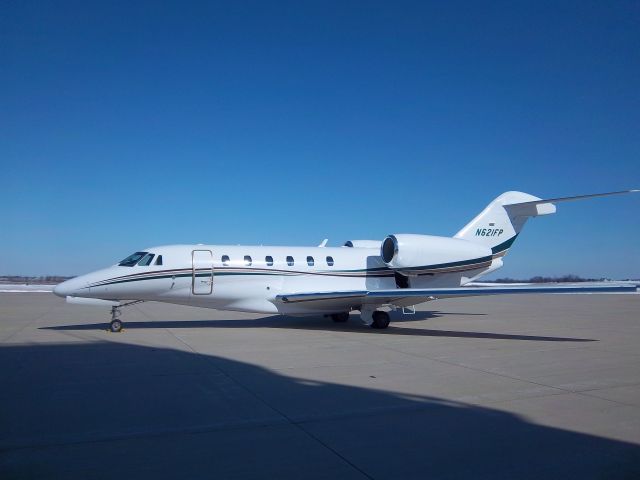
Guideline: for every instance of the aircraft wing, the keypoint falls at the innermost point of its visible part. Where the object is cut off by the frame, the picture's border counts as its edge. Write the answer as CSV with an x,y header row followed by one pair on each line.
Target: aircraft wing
x,y
404,297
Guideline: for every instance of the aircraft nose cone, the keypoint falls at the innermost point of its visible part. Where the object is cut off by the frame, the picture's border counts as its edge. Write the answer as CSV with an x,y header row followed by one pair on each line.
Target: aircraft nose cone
x,y
62,289
67,288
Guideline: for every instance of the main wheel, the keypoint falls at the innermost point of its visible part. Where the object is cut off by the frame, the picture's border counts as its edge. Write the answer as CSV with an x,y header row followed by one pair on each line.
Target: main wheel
x,y
115,326
380,319
340,317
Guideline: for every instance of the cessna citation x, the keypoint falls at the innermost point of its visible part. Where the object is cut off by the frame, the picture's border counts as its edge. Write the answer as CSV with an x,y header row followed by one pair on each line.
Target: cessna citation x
x,y
370,276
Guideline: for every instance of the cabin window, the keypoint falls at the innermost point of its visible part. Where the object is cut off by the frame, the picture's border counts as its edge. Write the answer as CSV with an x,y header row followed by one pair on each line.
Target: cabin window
x,y
310,261
225,260
290,261
247,261
330,261
159,260
131,260
269,260
146,260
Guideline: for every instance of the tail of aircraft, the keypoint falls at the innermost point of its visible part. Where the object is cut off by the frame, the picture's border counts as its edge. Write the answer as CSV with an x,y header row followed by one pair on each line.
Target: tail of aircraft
x,y
498,225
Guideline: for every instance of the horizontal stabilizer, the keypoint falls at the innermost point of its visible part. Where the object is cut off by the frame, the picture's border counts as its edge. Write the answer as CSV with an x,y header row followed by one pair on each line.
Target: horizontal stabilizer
x,y
546,206
569,199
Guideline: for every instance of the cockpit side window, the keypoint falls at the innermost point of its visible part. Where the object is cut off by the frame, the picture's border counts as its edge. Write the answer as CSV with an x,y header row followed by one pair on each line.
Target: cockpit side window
x,y
146,260
159,260
131,260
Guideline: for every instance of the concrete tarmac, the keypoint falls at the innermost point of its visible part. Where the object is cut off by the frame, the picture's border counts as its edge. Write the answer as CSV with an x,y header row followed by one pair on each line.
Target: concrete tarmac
x,y
517,387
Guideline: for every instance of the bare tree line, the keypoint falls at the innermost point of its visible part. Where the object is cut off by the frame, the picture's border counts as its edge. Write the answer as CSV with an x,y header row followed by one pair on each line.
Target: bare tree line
x,y
41,280
541,279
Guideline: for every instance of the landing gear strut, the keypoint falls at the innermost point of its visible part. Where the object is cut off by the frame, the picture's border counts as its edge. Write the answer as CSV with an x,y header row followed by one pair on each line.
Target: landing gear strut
x,y
116,324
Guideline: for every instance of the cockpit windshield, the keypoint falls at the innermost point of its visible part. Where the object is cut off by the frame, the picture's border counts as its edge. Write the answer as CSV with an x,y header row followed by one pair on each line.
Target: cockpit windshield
x,y
146,260
131,260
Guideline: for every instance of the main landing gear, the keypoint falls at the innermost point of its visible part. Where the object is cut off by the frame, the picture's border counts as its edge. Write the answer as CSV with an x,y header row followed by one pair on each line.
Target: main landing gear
x,y
116,324
340,317
380,319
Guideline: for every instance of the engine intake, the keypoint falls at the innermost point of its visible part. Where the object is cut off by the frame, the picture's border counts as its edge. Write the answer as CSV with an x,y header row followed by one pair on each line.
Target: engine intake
x,y
389,249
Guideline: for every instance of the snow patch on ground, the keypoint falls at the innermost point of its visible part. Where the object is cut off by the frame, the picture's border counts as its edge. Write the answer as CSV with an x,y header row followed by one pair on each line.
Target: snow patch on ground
x,y
22,288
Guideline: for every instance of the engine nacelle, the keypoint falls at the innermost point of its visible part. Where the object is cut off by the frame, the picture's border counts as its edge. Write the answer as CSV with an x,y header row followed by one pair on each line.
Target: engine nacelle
x,y
409,253
362,243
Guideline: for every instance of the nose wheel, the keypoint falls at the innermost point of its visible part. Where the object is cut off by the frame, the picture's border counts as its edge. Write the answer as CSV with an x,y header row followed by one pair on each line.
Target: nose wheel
x,y
115,326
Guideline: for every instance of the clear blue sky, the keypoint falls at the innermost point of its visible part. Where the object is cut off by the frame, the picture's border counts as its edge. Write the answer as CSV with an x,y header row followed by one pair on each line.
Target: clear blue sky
x,y
125,125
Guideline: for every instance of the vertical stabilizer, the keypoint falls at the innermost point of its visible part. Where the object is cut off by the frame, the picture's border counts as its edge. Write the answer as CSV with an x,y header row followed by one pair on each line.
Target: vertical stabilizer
x,y
498,225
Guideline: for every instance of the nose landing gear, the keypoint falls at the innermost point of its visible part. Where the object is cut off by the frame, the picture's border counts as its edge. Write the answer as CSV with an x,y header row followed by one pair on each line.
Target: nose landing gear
x,y
116,324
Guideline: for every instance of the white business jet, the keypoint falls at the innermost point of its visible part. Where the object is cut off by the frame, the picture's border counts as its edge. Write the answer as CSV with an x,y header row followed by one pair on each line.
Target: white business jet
x,y
369,276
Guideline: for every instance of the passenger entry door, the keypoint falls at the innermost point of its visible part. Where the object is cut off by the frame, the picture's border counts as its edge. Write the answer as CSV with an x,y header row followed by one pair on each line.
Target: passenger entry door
x,y
202,277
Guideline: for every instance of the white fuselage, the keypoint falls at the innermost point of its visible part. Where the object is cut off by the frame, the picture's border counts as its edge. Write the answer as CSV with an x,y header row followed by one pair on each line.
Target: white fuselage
x,y
364,275
248,278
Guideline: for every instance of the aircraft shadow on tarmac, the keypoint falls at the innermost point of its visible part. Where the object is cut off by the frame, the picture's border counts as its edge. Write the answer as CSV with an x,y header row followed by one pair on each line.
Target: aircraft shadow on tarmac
x,y
321,323
116,410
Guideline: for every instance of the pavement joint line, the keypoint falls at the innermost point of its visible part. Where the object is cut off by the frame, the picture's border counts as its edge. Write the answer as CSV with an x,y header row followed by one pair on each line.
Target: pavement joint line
x,y
360,339
333,450
565,390
28,324
238,425
634,384
274,409
148,434
591,395
470,399
501,375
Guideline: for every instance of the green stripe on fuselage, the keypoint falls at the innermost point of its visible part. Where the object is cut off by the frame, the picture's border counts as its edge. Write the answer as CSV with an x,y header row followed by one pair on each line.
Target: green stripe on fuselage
x,y
504,245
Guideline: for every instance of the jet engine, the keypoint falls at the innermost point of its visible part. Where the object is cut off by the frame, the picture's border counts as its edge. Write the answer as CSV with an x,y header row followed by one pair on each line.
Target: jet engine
x,y
362,243
409,253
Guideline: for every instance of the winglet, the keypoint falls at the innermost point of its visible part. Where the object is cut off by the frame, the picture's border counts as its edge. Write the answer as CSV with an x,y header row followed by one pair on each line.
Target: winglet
x,y
324,243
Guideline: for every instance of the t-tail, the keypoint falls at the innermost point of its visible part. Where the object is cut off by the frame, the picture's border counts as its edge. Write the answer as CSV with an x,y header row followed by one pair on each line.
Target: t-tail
x,y
500,223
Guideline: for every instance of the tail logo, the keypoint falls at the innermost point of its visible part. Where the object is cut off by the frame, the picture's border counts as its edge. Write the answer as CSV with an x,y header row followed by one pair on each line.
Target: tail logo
x,y
489,232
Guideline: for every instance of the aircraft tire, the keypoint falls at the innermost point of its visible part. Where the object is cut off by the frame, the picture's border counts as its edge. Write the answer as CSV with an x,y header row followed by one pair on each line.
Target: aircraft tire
x,y
340,317
380,320
115,326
